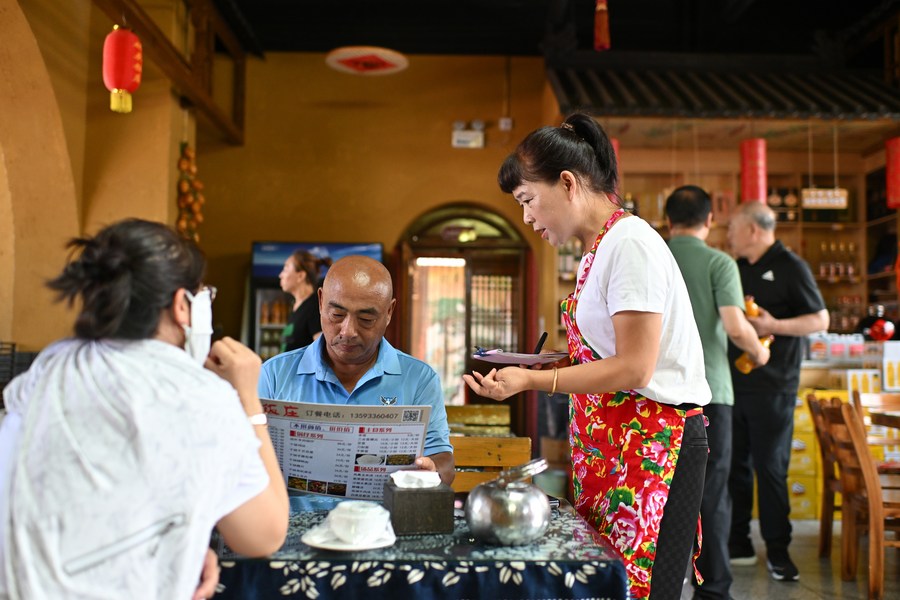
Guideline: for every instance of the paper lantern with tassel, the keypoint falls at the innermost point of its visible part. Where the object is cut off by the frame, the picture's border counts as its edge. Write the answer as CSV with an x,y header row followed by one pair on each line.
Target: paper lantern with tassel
x,y
123,63
753,170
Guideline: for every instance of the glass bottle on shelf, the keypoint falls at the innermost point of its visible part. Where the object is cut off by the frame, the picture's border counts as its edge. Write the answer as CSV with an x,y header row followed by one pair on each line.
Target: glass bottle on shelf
x,y
834,266
850,268
824,260
841,261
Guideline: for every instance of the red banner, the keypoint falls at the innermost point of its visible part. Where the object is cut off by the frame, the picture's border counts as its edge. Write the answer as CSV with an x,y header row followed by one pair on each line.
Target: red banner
x,y
753,170
892,172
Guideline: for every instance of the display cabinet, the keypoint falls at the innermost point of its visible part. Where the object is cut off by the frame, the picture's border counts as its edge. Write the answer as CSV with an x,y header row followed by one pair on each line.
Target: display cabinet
x,y
881,246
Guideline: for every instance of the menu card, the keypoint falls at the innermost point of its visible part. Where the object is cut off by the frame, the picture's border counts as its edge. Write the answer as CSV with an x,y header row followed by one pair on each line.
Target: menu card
x,y
344,450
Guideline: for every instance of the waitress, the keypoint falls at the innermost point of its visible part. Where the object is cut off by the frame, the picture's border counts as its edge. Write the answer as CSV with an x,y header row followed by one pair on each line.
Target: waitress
x,y
636,380
300,279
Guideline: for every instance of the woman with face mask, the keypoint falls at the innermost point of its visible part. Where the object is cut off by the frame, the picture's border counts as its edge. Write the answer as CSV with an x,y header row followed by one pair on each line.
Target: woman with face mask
x,y
127,443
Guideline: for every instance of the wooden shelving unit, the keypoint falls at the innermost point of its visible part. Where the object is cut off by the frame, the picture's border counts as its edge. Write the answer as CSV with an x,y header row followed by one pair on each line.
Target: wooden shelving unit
x,y
838,245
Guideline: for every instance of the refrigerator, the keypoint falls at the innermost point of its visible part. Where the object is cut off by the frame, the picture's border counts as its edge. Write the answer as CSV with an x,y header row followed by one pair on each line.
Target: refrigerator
x,y
267,306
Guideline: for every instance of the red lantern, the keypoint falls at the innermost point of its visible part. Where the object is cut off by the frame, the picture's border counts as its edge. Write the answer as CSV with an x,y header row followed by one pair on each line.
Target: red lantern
x,y
601,26
892,172
753,170
123,62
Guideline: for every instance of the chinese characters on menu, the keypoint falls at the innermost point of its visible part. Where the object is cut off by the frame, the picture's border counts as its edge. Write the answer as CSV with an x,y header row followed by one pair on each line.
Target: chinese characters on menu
x,y
344,451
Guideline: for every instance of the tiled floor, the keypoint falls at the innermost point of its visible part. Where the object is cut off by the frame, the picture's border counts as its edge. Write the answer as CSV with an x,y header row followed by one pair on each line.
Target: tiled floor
x,y
819,578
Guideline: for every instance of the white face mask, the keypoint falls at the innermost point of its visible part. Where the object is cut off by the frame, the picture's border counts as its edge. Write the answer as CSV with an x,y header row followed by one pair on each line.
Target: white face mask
x,y
198,335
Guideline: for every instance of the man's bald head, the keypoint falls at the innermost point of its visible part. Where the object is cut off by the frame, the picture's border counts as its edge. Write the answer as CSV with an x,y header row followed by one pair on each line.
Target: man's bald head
x,y
356,302
362,273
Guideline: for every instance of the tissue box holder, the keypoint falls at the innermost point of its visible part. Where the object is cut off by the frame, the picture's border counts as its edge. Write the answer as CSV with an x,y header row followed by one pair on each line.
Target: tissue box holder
x,y
419,510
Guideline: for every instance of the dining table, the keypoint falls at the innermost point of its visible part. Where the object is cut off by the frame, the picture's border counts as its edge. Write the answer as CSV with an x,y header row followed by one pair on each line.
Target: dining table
x,y
885,418
570,560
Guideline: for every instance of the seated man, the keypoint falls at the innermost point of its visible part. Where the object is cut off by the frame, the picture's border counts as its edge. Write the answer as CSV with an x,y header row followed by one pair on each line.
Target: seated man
x,y
352,363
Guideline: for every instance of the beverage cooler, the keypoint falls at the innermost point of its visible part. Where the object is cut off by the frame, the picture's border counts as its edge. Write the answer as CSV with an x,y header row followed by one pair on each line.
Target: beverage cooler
x,y
268,307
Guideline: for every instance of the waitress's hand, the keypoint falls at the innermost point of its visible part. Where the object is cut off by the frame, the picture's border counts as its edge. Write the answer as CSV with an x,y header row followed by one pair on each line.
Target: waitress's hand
x,y
501,384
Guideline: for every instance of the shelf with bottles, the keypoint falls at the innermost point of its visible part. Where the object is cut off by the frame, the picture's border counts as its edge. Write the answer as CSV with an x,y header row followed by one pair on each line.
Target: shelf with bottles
x,y
844,312
648,193
568,257
270,340
836,261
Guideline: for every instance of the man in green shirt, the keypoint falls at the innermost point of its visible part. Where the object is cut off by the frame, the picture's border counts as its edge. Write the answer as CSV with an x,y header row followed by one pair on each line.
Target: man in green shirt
x,y
717,298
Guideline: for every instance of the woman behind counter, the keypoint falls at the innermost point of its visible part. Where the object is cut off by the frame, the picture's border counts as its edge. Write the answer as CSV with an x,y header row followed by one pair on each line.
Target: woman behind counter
x,y
125,445
300,279
637,378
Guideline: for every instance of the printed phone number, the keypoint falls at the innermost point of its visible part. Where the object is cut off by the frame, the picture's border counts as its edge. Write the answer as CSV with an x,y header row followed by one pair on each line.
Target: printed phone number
x,y
374,416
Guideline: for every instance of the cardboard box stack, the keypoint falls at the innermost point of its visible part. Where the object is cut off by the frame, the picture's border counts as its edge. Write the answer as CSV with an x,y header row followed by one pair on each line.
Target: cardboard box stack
x,y
804,468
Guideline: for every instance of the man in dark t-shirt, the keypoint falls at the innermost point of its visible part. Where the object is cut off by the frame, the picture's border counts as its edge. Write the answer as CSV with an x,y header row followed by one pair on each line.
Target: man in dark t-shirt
x,y
764,400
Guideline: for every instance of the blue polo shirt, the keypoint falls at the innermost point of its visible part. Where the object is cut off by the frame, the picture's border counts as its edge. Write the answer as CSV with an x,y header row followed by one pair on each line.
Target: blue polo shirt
x,y
396,378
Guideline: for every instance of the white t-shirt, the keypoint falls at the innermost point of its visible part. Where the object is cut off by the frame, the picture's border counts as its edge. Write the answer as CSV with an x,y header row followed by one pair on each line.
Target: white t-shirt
x,y
119,457
634,270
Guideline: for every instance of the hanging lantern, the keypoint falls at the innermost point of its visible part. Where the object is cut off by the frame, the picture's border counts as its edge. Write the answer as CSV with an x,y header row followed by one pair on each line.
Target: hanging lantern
x,y
892,172
601,26
753,170
123,62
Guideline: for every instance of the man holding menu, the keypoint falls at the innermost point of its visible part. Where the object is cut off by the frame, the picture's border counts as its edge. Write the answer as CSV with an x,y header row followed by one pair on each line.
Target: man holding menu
x,y
352,363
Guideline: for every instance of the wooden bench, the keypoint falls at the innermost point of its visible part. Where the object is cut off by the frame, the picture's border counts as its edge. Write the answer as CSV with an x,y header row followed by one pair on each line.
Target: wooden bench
x,y
479,419
480,458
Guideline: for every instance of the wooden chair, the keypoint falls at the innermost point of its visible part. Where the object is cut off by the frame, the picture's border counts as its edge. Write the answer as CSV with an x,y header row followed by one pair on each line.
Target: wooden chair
x,y
866,401
863,497
479,419
480,458
831,484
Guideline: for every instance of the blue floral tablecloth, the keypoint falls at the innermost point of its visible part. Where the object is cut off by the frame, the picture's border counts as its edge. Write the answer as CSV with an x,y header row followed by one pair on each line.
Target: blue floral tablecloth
x,y
569,561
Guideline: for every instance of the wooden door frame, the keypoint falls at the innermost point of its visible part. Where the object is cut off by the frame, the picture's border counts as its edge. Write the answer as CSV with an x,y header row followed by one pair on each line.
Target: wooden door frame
x,y
413,245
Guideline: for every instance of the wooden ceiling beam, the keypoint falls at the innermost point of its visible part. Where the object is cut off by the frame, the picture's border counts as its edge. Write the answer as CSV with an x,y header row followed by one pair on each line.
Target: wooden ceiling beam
x,y
193,79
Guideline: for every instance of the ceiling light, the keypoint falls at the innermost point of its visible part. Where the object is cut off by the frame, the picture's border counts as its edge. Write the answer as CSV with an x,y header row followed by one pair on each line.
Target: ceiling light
x,y
366,60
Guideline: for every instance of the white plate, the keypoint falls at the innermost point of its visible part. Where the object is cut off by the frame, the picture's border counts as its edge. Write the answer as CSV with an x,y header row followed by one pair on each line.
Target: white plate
x,y
322,537
370,460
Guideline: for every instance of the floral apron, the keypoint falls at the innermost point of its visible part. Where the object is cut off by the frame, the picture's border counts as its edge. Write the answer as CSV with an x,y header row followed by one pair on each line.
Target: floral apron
x,y
624,451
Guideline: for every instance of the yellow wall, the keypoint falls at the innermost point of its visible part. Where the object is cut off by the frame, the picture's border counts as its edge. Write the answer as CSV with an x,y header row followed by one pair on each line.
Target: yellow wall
x,y
37,187
328,156
336,157
70,165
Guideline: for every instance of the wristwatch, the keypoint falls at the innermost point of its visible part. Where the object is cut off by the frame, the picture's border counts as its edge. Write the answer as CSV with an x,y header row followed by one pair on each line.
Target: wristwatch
x,y
258,419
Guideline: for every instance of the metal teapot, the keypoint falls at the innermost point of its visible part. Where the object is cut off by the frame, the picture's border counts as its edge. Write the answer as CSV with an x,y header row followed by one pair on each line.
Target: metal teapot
x,y
507,510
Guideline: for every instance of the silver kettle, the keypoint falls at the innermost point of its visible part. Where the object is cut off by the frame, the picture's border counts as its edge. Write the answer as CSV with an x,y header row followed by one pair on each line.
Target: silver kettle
x,y
508,511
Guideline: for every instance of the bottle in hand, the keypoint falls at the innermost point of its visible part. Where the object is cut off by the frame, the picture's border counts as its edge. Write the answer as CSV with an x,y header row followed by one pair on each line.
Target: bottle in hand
x,y
751,308
744,363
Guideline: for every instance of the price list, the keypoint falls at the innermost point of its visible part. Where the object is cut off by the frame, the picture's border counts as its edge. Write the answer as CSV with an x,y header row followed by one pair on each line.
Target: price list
x,y
344,450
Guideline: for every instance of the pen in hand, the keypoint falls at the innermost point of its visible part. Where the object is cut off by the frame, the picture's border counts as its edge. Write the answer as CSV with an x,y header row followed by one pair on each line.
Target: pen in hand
x,y
540,344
